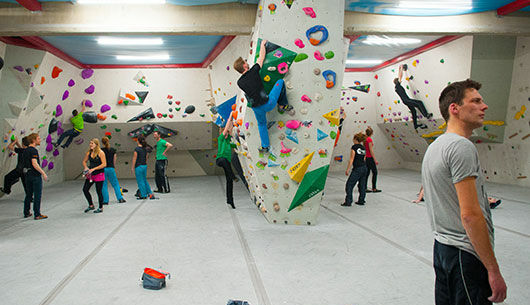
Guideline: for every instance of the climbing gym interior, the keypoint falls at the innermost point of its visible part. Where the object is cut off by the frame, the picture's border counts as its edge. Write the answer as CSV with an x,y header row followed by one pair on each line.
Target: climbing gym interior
x,y
165,73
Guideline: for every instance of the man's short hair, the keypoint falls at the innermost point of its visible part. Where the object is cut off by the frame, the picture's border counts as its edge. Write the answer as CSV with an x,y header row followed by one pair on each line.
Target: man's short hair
x,y
454,93
239,65
32,138
74,112
396,81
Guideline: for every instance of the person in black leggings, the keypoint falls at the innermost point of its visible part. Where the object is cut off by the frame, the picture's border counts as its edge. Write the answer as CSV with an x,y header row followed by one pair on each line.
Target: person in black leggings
x,y
371,162
358,174
94,174
224,156
411,103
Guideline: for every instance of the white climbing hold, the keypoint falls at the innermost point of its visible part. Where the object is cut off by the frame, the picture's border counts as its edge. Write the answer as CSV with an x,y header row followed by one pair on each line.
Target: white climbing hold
x,y
318,96
303,111
288,85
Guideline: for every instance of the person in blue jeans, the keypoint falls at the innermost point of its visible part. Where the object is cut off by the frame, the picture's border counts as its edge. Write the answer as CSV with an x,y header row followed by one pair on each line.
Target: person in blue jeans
x,y
139,167
358,174
34,175
110,173
250,82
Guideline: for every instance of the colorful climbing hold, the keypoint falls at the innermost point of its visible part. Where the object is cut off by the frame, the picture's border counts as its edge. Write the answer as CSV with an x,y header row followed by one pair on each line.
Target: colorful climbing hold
x,y
315,29
71,83
321,135
329,54
305,98
87,73
309,12
330,78
90,89
297,171
299,43
283,68
56,71
65,94
300,56
104,108
318,55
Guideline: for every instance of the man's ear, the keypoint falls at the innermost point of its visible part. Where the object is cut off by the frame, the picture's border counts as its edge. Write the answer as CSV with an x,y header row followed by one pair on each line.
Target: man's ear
x,y
453,109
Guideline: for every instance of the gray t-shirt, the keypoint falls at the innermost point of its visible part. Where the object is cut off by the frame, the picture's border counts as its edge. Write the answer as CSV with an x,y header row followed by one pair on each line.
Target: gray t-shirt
x,y
449,160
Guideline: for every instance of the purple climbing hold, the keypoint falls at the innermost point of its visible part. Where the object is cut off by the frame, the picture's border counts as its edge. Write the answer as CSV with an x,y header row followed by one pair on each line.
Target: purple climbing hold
x,y
105,108
44,163
66,94
49,147
49,138
58,111
89,103
90,89
50,165
55,153
87,73
60,131
19,68
71,83
32,84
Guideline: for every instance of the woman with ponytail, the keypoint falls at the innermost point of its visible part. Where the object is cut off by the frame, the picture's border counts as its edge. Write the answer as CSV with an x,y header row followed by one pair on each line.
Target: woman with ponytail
x,y
139,167
94,174
110,173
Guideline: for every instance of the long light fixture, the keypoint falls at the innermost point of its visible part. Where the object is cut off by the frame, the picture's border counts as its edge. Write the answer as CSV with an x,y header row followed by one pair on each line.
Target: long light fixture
x,y
363,61
120,1
389,41
129,41
143,57
447,5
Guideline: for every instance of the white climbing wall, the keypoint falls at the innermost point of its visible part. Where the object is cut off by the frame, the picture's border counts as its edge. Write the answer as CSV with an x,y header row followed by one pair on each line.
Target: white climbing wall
x,y
271,186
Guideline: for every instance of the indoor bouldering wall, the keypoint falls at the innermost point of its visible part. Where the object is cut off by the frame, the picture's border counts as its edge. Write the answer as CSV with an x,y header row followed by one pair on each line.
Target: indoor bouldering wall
x,y
286,184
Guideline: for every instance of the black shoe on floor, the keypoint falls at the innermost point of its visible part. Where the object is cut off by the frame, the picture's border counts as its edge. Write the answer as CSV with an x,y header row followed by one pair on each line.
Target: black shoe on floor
x,y
28,215
124,190
98,211
89,209
141,198
495,204
158,191
344,204
360,203
122,201
368,191
231,204
376,191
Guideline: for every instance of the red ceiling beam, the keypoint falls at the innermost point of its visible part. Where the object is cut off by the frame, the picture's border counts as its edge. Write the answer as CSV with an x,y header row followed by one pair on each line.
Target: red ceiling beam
x,y
46,46
512,7
32,5
218,49
19,42
159,66
431,45
352,38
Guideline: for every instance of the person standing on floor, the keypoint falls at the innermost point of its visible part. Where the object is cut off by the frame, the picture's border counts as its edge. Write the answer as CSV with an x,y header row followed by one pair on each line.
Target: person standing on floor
x,y
162,147
371,162
139,163
79,125
94,173
466,269
358,174
34,175
224,156
410,103
261,103
18,172
110,173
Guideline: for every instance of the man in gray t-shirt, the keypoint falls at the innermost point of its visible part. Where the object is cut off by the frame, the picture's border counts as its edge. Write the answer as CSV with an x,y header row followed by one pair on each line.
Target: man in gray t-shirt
x,y
466,268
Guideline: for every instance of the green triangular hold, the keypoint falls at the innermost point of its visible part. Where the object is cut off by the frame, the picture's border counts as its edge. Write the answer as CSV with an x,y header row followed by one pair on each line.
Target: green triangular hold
x,y
312,184
362,88
141,95
289,3
273,58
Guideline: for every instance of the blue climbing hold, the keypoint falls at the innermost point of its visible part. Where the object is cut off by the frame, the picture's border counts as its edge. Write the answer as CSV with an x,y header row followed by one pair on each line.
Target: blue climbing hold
x,y
291,135
315,29
330,78
321,135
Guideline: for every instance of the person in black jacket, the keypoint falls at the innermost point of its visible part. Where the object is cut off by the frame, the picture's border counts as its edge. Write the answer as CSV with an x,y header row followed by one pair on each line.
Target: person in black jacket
x,y
34,175
411,103
358,174
18,172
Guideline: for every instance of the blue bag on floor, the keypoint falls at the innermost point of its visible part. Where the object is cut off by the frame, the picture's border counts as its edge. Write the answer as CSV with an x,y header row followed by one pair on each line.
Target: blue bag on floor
x,y
237,302
154,279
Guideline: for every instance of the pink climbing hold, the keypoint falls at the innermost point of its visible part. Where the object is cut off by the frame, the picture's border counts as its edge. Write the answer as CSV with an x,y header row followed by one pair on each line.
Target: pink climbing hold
x,y
246,125
58,111
55,153
426,81
87,73
88,103
309,12
49,147
318,55
105,108
284,149
306,99
90,89
71,83
299,43
283,68
50,165
66,94
293,124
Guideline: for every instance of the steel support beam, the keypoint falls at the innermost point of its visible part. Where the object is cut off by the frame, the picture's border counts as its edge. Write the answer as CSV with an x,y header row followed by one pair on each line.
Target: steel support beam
x,y
63,18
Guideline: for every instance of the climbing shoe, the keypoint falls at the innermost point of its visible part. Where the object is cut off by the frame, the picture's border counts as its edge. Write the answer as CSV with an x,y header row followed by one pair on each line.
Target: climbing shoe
x,y
264,150
283,108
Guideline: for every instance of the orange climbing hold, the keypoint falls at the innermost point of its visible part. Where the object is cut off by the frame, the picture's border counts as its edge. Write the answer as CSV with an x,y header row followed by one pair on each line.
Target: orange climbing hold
x,y
101,117
42,80
56,71
130,96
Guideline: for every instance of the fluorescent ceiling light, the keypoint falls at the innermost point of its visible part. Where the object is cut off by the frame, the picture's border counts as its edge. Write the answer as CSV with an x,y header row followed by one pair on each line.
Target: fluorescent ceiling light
x,y
448,5
143,57
363,61
120,1
388,41
129,41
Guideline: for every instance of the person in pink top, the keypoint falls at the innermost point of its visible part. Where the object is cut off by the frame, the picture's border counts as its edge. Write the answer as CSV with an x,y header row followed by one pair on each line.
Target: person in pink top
x,y
370,161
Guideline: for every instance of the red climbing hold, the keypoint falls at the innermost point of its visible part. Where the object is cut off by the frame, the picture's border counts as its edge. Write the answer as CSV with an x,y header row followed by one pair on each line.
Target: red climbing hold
x,y
56,71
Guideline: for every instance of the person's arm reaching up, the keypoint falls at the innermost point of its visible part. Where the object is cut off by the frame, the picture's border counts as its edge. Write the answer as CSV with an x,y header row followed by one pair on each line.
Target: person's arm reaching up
x,y
262,53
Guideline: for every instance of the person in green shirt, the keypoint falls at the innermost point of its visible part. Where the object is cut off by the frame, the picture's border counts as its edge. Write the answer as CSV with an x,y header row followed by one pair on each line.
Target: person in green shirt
x,y
162,147
79,124
224,155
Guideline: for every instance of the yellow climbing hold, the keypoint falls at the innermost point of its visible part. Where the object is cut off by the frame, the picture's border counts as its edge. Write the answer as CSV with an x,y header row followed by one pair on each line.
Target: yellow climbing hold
x,y
495,123
520,113
443,126
267,78
297,171
432,134
332,116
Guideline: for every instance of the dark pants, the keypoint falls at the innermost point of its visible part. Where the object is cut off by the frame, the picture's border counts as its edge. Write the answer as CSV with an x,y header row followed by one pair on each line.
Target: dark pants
x,y
358,174
229,175
162,183
461,278
33,189
413,104
12,178
370,164
239,170
71,134
99,191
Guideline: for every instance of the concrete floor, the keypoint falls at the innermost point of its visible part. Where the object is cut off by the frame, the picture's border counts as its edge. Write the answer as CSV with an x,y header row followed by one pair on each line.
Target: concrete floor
x,y
376,254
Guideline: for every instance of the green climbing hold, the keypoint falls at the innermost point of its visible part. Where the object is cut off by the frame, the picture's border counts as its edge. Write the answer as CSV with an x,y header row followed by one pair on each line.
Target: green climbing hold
x,y
300,57
126,102
12,138
408,87
44,158
165,115
329,55
117,129
442,60
41,125
54,113
312,184
114,116
103,127
201,115
485,128
177,109
333,135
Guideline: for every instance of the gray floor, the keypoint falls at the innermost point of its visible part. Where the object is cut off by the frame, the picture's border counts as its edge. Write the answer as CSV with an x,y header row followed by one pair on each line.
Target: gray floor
x,y
376,254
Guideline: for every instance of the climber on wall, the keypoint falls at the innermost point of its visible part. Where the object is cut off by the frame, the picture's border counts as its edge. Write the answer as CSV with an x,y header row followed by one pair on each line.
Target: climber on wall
x,y
17,173
77,121
250,82
411,103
